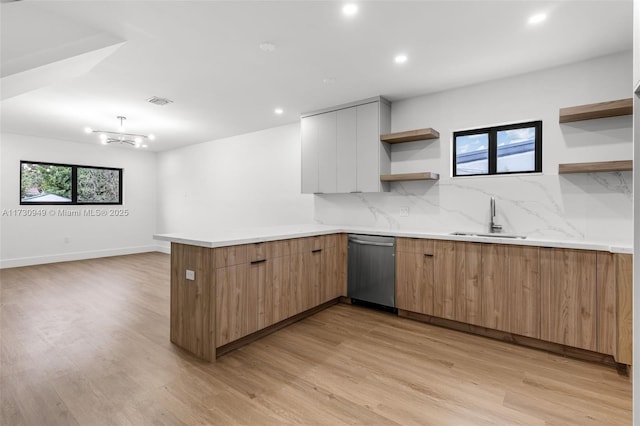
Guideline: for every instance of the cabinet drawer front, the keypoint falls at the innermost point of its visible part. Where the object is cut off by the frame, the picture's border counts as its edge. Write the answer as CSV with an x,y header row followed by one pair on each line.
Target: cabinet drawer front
x,y
305,244
329,241
257,251
229,256
415,245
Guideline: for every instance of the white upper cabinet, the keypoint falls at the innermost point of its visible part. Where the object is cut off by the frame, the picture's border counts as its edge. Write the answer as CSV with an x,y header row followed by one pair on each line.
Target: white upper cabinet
x,y
309,130
347,150
341,148
327,155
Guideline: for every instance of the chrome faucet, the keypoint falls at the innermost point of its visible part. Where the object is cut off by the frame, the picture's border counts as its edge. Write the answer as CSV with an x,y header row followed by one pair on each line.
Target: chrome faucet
x,y
493,226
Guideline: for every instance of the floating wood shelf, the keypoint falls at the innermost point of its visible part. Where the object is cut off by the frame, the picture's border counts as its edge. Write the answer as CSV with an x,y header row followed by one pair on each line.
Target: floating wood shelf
x,y
600,166
410,176
410,136
598,110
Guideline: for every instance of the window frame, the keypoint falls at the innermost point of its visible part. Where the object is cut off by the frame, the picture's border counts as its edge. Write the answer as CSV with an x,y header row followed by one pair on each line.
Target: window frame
x,y
74,186
492,133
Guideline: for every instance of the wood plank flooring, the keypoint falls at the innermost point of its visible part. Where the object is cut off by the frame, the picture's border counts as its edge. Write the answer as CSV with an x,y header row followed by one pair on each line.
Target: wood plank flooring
x,y
88,343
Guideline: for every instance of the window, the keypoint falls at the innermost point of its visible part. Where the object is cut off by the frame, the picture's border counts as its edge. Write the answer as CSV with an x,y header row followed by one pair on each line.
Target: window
x,y
50,183
515,148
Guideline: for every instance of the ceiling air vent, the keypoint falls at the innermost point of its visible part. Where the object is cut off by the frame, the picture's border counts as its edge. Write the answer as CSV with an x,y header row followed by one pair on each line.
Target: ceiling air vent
x,y
159,101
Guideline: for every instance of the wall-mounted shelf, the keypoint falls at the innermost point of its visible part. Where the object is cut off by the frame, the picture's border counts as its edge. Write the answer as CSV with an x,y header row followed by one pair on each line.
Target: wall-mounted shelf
x,y
410,136
600,166
598,110
409,176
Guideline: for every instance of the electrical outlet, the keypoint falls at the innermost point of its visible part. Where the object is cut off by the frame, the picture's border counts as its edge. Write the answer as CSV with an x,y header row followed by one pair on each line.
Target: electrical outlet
x,y
404,211
191,275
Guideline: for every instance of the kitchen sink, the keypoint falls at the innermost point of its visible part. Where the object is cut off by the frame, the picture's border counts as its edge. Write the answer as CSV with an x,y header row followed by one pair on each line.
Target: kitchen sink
x,y
491,235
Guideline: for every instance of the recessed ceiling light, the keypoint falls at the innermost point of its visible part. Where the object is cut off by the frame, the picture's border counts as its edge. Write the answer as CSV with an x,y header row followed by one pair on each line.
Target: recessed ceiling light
x,y
267,47
350,9
144,146
537,18
151,137
400,59
278,111
88,130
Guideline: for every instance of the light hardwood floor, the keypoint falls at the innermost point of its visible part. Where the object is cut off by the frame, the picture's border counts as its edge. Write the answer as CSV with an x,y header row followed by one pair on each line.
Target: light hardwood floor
x,y
88,343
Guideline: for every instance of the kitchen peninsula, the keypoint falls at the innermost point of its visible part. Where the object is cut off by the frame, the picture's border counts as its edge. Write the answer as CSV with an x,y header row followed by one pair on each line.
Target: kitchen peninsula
x,y
234,286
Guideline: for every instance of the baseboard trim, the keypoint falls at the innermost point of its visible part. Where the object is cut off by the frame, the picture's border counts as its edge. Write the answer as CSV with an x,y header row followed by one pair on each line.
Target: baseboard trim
x,y
68,257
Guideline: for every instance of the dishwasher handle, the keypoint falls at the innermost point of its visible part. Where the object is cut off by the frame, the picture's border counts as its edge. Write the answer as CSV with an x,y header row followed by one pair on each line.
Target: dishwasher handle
x,y
370,243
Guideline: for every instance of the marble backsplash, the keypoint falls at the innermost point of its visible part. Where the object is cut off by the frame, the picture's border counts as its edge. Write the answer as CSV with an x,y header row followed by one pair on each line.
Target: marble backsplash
x,y
590,206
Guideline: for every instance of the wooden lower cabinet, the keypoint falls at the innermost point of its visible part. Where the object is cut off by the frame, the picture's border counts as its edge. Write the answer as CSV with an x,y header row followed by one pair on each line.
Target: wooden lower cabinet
x,y
456,281
511,289
439,278
278,290
414,282
233,303
577,298
568,297
192,314
624,308
296,275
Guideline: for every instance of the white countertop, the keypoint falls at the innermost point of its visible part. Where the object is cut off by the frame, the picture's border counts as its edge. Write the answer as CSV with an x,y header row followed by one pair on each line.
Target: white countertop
x,y
230,237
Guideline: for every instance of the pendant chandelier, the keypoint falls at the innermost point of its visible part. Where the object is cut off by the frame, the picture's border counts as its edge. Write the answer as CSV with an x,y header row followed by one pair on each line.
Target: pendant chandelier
x,y
121,137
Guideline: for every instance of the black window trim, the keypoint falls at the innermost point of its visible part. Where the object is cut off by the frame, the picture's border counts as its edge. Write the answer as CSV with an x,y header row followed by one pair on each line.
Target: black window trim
x,y
492,132
74,185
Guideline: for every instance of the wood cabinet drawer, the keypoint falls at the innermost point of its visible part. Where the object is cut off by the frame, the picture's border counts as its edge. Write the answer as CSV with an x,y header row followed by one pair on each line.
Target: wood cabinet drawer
x,y
247,253
229,256
415,245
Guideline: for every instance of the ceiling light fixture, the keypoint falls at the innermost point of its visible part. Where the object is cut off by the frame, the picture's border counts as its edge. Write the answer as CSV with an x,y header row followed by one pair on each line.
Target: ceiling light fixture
x,y
400,59
159,101
278,111
350,9
267,47
537,18
133,139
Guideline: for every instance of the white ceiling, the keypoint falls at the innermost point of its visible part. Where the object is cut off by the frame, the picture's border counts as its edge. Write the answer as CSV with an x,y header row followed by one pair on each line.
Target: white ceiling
x,y
205,56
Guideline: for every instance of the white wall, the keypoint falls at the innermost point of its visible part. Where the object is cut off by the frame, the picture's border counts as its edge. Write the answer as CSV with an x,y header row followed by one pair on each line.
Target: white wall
x,y
28,240
246,180
594,207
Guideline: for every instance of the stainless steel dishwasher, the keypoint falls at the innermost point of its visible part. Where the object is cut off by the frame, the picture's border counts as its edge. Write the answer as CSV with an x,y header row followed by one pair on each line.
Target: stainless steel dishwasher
x,y
372,269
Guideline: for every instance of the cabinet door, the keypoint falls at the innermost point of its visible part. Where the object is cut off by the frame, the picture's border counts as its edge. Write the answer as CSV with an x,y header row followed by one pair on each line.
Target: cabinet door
x,y
624,289
231,303
258,298
346,150
309,146
568,302
278,290
606,303
327,155
329,280
444,279
368,147
305,281
495,286
414,282
457,267
511,289
524,290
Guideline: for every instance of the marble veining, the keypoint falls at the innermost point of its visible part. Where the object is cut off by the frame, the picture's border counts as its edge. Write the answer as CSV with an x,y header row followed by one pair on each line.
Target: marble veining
x,y
589,207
